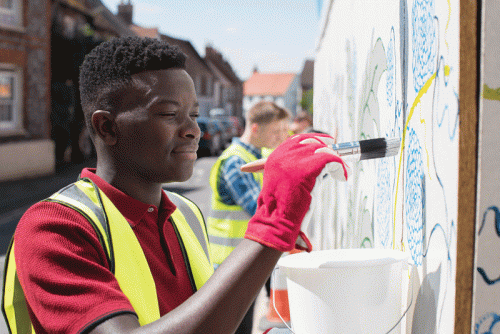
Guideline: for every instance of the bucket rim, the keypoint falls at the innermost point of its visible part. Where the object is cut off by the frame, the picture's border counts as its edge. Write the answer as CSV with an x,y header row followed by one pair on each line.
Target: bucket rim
x,y
343,258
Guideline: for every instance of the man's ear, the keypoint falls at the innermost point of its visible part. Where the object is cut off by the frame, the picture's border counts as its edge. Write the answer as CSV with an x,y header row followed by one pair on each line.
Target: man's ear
x,y
104,126
254,128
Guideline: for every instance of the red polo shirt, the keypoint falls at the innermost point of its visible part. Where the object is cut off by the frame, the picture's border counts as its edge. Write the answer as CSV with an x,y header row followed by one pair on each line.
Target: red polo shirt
x,y
63,268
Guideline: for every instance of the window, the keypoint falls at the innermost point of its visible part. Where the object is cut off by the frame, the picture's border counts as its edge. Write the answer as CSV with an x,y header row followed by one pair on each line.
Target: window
x,y
268,98
11,14
10,99
221,96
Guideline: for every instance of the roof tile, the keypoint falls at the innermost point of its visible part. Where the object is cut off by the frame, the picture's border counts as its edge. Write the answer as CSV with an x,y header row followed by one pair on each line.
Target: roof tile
x,y
145,32
275,84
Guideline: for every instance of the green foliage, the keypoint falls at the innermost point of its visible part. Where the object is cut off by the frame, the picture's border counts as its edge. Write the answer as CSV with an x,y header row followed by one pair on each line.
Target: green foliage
x,y
307,101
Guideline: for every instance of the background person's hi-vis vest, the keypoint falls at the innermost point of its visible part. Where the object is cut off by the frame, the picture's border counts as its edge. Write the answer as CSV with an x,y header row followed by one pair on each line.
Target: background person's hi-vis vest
x,y
123,251
227,223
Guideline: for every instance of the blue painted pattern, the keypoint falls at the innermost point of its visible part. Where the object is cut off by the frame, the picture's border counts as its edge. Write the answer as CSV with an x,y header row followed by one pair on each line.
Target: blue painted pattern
x,y
383,204
424,43
449,113
487,279
391,73
488,324
447,101
414,194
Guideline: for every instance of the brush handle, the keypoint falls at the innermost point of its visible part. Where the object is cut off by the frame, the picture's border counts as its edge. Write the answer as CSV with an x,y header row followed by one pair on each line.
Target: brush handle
x,y
349,148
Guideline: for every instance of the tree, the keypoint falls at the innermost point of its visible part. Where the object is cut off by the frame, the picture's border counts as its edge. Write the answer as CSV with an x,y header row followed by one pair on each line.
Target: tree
x,y
307,101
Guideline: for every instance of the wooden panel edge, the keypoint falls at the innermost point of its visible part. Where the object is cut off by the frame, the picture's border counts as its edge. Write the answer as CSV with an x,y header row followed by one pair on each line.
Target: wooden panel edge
x,y
467,174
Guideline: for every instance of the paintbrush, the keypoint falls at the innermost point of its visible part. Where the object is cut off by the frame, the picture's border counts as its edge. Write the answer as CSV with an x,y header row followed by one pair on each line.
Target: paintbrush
x,y
368,149
352,151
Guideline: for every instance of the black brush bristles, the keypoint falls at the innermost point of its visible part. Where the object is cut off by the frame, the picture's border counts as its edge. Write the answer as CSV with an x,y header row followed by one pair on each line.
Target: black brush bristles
x,y
378,148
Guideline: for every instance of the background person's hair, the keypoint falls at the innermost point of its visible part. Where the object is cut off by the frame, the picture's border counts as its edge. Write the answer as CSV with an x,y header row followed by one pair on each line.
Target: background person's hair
x,y
107,70
265,112
304,116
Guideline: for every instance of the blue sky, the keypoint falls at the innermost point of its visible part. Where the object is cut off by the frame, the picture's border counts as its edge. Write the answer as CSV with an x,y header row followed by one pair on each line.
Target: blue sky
x,y
274,35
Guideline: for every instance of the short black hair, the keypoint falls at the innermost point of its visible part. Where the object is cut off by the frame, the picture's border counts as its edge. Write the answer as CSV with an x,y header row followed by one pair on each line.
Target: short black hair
x,y
109,67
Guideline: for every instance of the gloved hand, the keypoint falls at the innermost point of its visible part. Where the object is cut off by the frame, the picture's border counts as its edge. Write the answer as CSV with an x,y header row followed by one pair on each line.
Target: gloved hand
x,y
290,174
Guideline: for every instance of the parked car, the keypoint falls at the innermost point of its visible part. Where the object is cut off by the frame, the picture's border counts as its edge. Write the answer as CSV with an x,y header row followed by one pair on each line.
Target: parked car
x,y
238,125
211,139
230,130
232,125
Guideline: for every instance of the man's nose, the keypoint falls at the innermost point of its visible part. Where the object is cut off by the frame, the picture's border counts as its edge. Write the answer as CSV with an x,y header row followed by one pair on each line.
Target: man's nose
x,y
191,129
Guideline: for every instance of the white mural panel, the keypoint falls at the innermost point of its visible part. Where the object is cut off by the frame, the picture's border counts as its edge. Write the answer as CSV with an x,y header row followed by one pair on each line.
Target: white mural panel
x,y
487,274
390,69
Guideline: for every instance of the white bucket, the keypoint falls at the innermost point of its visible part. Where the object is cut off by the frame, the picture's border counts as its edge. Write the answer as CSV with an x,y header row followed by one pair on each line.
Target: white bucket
x,y
345,290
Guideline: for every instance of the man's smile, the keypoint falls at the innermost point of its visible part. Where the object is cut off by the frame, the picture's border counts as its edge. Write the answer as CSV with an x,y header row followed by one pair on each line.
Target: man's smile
x,y
186,149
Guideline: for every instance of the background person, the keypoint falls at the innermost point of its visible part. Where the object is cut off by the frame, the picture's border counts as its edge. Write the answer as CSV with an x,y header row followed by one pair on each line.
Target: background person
x,y
235,193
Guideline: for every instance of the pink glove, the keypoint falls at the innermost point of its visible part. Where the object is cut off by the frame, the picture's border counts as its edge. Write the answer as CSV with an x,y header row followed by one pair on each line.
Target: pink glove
x,y
290,173
278,331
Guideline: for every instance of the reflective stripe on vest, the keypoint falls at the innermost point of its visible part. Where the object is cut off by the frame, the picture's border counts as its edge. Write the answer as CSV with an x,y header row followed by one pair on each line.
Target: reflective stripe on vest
x,y
125,256
227,224
194,239
14,307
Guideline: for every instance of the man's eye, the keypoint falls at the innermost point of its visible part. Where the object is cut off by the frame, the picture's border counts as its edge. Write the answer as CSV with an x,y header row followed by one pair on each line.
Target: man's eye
x,y
195,115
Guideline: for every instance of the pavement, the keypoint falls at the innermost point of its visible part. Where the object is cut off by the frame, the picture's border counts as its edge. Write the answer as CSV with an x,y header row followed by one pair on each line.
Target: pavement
x,y
17,196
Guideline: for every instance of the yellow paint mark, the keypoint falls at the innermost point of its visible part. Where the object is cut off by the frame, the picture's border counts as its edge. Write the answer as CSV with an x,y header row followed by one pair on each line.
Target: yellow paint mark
x,y
447,70
491,93
421,93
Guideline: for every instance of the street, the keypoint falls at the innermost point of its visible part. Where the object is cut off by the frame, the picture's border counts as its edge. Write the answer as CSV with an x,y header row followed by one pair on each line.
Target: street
x,y
17,197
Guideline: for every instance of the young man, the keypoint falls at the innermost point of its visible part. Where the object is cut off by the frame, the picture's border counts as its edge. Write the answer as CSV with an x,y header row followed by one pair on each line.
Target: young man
x,y
114,253
235,193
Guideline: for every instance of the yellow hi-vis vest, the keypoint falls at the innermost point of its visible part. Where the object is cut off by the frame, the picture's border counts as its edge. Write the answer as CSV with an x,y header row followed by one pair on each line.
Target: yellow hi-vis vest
x,y
123,251
227,223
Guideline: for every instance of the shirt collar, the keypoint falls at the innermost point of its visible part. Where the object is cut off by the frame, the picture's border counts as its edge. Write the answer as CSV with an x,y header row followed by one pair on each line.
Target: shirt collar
x,y
132,209
249,147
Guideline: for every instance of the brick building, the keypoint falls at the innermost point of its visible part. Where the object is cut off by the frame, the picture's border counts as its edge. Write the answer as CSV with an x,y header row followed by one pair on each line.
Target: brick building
x,y
25,146
42,45
228,88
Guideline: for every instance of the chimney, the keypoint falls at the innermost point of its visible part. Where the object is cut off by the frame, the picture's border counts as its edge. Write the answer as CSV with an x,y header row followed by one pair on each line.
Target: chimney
x,y
125,11
208,51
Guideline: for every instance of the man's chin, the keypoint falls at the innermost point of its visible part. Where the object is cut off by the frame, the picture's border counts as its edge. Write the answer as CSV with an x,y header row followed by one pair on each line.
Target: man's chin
x,y
185,178
183,175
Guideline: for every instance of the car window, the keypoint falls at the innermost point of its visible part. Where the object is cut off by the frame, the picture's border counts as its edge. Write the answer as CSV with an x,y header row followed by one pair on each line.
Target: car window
x,y
203,126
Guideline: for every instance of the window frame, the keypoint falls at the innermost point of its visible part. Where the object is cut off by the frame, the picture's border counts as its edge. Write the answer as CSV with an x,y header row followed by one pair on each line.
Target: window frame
x,y
16,12
15,126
